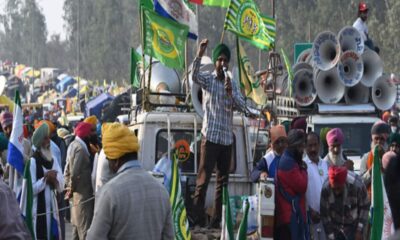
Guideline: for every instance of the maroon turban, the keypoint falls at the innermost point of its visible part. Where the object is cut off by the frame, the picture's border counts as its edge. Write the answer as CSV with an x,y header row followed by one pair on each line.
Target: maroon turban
x,y
83,129
6,119
299,123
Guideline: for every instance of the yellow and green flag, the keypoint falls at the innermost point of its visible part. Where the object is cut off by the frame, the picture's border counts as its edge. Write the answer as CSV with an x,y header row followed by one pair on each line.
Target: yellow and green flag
x,y
135,60
289,70
164,39
251,86
245,20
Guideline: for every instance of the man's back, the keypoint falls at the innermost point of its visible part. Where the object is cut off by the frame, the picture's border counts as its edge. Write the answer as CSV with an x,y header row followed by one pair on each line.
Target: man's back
x,y
133,205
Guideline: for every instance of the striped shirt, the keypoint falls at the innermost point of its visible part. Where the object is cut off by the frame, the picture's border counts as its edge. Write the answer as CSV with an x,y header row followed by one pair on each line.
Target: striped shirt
x,y
217,105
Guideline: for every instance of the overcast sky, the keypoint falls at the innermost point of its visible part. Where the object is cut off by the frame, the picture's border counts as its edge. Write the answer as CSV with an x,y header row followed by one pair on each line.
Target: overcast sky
x,y
53,12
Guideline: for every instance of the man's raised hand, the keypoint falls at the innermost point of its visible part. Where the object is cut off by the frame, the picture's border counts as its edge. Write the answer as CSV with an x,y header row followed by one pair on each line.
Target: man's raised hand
x,y
202,47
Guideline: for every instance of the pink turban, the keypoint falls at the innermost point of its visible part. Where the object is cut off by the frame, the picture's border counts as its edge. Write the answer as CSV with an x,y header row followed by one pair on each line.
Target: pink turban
x,y
83,129
337,176
335,136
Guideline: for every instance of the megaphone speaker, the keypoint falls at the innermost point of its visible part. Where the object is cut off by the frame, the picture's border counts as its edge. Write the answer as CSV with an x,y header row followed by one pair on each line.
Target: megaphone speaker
x,y
359,94
373,67
330,88
326,51
383,93
350,40
351,68
303,87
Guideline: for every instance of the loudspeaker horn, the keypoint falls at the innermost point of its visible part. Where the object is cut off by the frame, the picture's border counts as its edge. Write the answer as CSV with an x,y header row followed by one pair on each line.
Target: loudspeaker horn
x,y
330,88
358,94
350,39
301,65
383,93
326,51
373,67
303,87
350,68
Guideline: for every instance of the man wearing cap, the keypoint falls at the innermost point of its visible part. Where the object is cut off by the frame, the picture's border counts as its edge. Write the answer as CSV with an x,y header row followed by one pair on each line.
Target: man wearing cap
x,y
47,180
78,180
219,97
394,143
132,205
361,25
291,186
394,123
379,133
344,205
317,170
266,167
335,157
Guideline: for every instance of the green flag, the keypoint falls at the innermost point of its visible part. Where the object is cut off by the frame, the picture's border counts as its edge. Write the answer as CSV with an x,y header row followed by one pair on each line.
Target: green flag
x,y
245,20
146,3
242,234
289,70
134,66
248,83
26,202
227,224
164,39
179,219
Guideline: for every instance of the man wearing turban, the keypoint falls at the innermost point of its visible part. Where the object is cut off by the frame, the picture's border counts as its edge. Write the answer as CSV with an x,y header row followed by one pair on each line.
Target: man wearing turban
x,y
132,205
78,181
380,132
266,167
335,156
219,97
291,186
344,205
47,179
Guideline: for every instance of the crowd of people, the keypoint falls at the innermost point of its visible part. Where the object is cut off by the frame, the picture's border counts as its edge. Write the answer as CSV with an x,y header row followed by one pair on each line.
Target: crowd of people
x,y
323,197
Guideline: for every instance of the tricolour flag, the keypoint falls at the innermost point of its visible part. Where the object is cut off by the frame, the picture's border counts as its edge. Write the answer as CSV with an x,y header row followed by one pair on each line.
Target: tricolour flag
x,y
382,221
213,3
242,234
135,59
15,155
179,218
179,11
26,201
227,224
164,39
251,86
289,70
245,20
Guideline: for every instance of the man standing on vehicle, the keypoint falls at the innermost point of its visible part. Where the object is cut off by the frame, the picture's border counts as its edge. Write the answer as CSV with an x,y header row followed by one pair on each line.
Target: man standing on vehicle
x,y
219,96
361,25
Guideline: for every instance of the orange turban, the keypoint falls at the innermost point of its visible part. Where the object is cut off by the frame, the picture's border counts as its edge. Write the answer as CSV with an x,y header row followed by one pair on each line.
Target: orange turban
x,y
277,132
337,176
385,116
91,119
52,127
118,140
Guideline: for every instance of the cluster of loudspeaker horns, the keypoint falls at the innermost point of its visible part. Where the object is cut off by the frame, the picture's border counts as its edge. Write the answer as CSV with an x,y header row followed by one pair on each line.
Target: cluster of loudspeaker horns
x,y
341,66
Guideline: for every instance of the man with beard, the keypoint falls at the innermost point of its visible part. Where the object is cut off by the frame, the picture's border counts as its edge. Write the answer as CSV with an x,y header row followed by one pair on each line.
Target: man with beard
x,y
344,205
291,186
267,166
379,133
335,157
361,25
78,180
317,170
47,181
132,205
394,143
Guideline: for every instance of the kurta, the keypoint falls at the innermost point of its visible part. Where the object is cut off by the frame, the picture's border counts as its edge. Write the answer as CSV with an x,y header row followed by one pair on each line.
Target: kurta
x,y
78,178
39,185
132,205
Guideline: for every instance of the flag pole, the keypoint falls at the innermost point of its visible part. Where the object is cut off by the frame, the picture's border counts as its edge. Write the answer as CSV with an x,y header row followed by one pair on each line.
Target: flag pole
x,y
222,36
142,82
187,71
